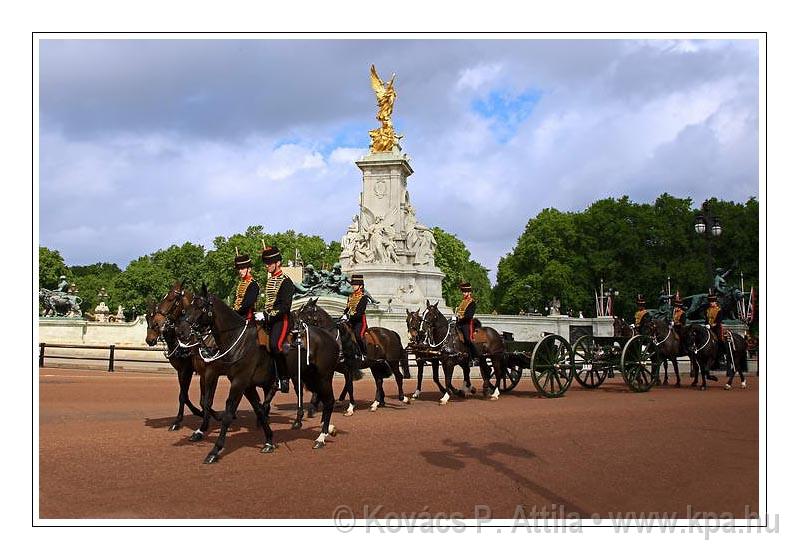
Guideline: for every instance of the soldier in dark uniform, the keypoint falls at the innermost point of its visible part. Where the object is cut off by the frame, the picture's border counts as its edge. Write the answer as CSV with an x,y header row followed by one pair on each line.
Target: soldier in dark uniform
x,y
279,292
247,289
641,312
464,321
356,311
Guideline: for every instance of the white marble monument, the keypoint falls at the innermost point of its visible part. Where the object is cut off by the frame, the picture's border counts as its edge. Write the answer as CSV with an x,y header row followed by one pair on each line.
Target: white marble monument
x,y
385,242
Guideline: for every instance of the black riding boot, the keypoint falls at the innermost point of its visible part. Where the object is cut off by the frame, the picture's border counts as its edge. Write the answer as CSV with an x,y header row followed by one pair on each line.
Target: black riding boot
x,y
283,372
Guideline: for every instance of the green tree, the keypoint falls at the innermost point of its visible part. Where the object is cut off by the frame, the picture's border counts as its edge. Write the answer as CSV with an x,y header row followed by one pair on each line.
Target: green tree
x,y
453,259
90,279
51,267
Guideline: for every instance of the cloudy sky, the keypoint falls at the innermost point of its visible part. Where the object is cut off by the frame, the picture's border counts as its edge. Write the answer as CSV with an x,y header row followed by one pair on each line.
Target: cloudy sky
x,y
148,143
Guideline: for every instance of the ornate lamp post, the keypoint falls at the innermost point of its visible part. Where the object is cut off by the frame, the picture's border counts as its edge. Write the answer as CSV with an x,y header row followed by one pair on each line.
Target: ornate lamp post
x,y
708,226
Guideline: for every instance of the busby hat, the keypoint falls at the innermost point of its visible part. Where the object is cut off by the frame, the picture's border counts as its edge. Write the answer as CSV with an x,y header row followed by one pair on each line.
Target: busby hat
x,y
712,296
242,261
640,299
678,300
357,280
271,255
465,287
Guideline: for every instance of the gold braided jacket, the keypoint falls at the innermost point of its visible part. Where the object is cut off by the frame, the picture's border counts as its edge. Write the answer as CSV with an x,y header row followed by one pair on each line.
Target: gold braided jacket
x,y
462,307
711,314
273,285
240,291
352,302
637,318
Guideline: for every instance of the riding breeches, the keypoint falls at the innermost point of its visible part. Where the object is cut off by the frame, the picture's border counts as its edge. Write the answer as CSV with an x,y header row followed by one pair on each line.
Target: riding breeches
x,y
466,332
278,332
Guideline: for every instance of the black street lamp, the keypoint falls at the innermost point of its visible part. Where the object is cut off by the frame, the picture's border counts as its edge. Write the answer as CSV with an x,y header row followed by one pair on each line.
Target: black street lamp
x,y
708,226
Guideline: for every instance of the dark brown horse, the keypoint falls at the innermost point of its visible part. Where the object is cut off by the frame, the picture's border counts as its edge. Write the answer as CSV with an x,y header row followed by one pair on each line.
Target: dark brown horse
x,y
385,354
701,343
161,321
441,336
312,314
248,366
423,355
670,346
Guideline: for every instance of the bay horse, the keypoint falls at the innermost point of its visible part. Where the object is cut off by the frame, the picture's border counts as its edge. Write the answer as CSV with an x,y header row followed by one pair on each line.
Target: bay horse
x,y
312,314
443,337
702,345
424,356
385,354
249,366
161,320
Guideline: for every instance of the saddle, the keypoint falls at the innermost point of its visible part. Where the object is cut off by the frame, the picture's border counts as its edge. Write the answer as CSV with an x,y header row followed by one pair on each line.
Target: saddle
x,y
263,339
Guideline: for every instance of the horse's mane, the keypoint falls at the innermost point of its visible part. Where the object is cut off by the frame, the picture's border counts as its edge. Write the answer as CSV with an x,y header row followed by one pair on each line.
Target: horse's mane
x,y
225,312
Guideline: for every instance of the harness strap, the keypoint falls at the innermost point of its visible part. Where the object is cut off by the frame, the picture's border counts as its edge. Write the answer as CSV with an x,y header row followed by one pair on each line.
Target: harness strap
x,y
232,346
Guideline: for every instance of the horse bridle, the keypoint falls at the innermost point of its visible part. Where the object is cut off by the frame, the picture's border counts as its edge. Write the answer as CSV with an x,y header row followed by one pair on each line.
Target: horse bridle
x,y
168,320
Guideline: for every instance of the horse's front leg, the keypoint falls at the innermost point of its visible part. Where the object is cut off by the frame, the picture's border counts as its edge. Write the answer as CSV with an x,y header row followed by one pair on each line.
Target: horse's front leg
x,y
398,377
231,405
448,366
298,390
420,367
184,372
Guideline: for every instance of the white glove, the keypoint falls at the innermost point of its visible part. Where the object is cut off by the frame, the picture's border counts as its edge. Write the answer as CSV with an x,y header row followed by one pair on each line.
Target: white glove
x,y
453,318
343,317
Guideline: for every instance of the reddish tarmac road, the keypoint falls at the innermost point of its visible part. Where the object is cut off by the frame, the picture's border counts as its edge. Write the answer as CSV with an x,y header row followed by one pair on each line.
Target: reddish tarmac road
x,y
105,452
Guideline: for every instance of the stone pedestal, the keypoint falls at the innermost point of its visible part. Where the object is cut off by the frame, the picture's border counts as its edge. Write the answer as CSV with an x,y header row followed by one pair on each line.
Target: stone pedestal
x,y
385,242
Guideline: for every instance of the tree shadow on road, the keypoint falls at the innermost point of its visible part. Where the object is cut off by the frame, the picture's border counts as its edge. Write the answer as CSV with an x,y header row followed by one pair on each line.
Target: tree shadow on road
x,y
459,454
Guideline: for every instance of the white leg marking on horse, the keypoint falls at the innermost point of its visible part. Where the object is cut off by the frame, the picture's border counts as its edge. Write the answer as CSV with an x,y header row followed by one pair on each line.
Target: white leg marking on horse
x,y
198,431
406,400
321,438
374,406
445,398
331,429
744,384
727,386
416,394
496,394
350,409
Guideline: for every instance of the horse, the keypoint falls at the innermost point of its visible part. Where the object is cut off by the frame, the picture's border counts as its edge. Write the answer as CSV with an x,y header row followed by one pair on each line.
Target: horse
x,y
161,320
312,314
423,356
249,366
452,350
385,354
735,357
702,345
668,341
622,328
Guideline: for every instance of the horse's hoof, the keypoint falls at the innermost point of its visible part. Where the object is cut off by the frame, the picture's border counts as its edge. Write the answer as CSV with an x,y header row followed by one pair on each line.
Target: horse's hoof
x,y
332,431
727,387
197,435
744,384
444,399
406,400
268,448
374,406
211,458
473,390
297,425
174,427
318,445
415,395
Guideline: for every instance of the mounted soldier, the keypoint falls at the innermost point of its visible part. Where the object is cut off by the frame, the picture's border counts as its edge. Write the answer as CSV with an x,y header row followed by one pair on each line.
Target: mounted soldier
x,y
679,320
356,311
714,321
279,292
464,319
247,289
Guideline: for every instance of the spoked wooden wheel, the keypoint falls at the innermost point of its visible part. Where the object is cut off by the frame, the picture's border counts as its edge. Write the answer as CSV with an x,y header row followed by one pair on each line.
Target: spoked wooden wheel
x,y
588,373
511,375
638,363
552,365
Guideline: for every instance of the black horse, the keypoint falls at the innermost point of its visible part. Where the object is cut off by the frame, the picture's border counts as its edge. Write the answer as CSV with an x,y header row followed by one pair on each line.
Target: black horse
x,y
701,343
312,314
424,355
249,366
161,320
385,354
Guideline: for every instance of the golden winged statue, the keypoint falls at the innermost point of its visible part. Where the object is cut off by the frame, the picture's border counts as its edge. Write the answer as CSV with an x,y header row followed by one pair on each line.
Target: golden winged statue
x,y
383,138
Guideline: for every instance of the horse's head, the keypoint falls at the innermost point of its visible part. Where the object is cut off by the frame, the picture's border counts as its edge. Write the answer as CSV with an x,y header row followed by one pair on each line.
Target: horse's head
x,y
170,307
414,326
312,314
153,330
197,317
431,318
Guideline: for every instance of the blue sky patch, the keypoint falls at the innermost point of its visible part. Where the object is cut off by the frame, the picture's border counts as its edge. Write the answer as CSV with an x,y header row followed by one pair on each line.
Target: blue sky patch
x,y
506,111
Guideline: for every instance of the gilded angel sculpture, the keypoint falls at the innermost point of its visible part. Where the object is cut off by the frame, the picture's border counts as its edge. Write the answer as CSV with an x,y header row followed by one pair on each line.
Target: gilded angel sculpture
x,y
385,94
383,138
